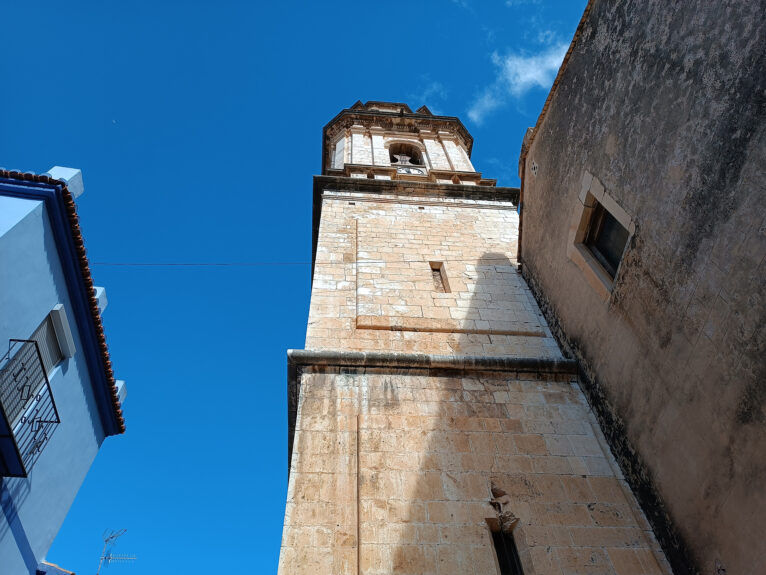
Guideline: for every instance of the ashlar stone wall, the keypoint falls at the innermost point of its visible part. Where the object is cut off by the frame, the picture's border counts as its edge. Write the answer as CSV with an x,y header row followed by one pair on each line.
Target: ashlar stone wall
x,y
394,470
374,288
403,463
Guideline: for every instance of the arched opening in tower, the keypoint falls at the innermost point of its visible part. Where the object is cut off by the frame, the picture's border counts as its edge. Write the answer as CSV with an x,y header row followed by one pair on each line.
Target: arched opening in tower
x,y
405,154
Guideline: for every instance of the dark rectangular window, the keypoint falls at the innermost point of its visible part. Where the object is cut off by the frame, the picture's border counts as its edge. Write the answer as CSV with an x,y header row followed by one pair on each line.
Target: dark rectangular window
x,y
439,276
507,554
606,239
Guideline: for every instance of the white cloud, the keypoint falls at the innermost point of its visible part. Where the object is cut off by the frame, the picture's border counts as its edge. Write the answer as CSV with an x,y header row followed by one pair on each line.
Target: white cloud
x,y
521,73
487,102
517,74
433,91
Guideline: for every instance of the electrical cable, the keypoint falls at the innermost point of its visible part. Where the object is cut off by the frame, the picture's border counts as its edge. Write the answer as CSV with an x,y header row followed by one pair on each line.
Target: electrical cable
x,y
296,263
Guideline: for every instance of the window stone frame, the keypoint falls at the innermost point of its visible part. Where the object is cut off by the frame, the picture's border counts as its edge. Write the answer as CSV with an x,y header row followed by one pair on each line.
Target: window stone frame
x,y
592,193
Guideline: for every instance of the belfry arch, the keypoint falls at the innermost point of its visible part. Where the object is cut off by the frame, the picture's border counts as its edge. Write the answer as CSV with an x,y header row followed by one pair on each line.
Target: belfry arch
x,y
406,153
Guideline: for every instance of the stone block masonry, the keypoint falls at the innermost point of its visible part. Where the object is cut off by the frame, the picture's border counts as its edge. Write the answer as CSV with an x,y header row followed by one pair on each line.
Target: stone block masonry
x,y
373,287
402,463
431,405
397,450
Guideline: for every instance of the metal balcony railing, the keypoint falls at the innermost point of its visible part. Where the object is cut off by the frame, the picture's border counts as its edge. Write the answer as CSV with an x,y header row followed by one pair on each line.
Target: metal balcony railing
x,y
28,414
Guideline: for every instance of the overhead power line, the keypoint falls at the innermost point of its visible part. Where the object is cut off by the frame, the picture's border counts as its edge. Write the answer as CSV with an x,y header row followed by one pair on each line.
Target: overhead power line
x,y
200,264
485,261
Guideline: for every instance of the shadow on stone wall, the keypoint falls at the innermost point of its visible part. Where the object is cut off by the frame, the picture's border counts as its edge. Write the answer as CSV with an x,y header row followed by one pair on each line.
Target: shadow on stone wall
x,y
450,491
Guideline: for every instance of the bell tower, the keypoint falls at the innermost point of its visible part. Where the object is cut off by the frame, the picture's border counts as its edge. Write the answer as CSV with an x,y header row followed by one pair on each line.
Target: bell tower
x,y
386,141
434,425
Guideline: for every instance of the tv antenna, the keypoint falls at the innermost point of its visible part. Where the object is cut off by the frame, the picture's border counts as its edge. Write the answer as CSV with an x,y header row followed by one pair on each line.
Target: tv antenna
x,y
107,557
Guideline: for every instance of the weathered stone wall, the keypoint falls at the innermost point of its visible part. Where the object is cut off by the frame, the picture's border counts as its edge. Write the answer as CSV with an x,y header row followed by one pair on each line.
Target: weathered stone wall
x,y
374,288
393,469
664,103
340,152
404,462
361,146
458,157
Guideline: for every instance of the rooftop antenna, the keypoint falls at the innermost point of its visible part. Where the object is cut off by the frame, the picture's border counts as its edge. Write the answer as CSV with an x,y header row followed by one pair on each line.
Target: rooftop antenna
x,y
107,557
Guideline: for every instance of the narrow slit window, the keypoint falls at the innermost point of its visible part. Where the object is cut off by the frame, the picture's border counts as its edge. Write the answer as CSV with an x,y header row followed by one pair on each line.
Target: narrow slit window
x,y
507,553
439,275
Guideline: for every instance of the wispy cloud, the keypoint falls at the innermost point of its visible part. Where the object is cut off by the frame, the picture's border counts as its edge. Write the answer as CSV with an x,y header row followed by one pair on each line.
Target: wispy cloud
x,y
546,37
432,94
487,102
463,4
517,74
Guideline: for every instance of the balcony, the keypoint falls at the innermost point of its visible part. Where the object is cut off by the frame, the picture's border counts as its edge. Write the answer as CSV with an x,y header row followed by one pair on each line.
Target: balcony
x,y
28,414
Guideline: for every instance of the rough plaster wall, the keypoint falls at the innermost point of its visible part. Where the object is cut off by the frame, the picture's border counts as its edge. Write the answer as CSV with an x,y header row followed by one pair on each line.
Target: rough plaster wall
x,y
33,283
664,103
373,287
428,450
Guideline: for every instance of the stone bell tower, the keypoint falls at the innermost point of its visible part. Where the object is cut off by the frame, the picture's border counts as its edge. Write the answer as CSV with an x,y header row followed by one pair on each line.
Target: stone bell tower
x,y
434,426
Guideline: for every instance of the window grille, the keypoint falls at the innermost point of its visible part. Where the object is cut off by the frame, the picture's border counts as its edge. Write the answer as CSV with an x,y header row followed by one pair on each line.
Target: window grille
x,y
28,414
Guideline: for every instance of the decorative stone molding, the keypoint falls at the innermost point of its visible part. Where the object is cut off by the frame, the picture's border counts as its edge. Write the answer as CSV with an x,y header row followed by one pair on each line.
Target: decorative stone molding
x,y
502,504
358,118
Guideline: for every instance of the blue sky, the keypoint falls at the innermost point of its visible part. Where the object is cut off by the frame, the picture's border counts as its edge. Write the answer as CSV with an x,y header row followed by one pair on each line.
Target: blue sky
x,y
198,130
